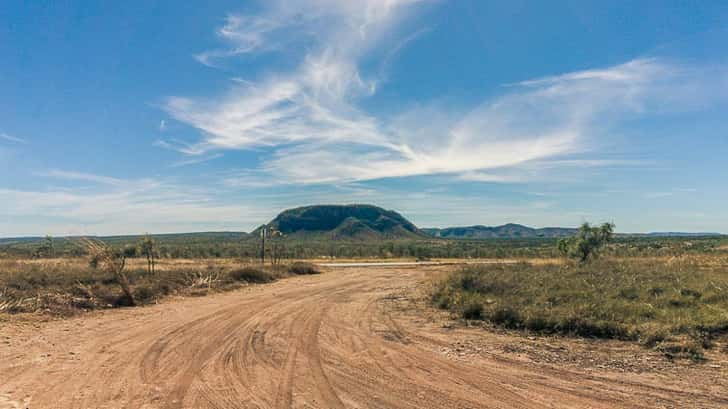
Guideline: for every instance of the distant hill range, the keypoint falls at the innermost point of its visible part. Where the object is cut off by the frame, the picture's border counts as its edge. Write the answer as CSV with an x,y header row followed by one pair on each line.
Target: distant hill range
x,y
506,231
130,238
513,231
358,222
677,234
354,222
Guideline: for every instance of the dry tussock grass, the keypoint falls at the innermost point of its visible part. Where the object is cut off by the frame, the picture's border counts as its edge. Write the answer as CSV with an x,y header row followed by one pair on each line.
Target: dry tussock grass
x,y
67,286
676,304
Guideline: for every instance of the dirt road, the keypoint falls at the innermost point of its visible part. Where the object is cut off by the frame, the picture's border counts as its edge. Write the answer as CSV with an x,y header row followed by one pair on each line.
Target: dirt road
x,y
334,340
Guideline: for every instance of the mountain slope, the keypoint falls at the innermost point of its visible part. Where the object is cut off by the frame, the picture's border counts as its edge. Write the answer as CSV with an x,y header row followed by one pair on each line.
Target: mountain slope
x,y
510,230
357,222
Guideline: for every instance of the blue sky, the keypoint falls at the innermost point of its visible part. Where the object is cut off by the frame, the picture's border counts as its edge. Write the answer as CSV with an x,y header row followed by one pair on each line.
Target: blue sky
x,y
166,116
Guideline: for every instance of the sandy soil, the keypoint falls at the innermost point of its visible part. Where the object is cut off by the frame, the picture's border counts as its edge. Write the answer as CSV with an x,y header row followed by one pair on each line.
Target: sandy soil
x,y
349,338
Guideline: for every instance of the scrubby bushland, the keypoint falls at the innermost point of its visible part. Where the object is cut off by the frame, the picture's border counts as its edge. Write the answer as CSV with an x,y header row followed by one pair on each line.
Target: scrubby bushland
x,y
66,286
235,245
677,305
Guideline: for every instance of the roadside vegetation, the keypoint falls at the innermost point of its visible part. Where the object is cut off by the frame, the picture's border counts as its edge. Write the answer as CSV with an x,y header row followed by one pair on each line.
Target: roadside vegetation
x,y
106,279
678,305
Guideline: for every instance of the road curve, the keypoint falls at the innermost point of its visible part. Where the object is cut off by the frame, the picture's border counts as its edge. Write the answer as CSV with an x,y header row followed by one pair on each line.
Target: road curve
x,y
326,341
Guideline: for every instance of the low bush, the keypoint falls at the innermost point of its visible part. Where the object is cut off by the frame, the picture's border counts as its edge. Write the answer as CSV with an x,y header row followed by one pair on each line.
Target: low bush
x,y
251,274
472,310
300,268
145,293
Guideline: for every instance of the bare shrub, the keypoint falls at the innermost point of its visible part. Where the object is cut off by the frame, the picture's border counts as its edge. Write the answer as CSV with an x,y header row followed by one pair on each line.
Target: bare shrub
x,y
113,262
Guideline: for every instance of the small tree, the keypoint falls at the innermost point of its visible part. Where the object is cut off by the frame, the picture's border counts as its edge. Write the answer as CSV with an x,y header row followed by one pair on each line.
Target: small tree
x,y
50,246
263,233
269,233
276,246
113,262
147,249
46,248
587,243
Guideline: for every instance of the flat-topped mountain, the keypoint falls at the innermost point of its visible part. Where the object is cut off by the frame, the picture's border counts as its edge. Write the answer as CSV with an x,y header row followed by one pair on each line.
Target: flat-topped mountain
x,y
510,230
356,222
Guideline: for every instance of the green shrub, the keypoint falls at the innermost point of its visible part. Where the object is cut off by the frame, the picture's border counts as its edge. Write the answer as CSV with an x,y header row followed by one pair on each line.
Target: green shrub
x,y
588,241
506,316
472,310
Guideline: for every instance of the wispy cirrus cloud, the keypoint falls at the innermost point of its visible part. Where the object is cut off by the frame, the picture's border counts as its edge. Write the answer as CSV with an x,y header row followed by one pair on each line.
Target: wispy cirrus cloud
x,y
11,138
552,170
311,124
313,102
195,160
668,193
120,206
244,34
81,176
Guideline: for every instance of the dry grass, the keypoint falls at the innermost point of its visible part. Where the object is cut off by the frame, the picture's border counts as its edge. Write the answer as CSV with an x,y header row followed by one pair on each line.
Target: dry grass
x,y
67,286
678,305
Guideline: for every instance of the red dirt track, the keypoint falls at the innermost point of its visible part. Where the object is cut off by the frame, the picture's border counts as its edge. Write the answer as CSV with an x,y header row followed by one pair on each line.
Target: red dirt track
x,y
328,341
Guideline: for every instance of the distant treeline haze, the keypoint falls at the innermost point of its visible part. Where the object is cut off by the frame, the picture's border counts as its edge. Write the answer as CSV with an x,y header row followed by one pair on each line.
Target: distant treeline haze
x,y
229,245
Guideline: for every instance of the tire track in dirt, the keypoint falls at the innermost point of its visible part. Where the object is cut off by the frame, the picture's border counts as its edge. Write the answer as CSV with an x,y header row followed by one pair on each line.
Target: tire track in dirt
x,y
327,341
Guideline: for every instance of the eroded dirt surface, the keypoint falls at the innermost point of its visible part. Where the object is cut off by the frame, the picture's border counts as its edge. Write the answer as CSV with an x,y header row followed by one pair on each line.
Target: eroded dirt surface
x,y
350,338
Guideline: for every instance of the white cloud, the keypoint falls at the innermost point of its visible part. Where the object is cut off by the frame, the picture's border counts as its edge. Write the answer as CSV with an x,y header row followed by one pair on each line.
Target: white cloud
x,y
314,102
477,176
550,170
11,138
195,160
245,33
634,72
80,176
669,193
120,207
242,200
537,122
181,146
311,123
658,195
